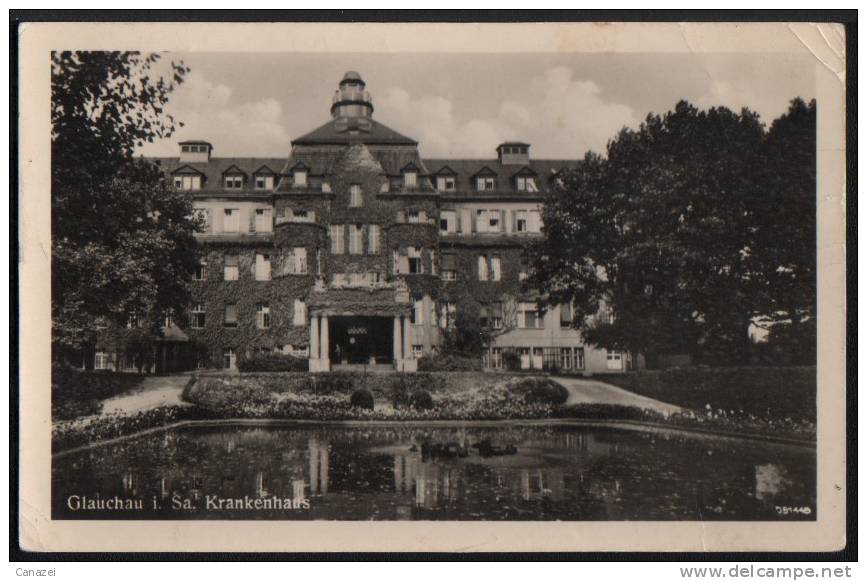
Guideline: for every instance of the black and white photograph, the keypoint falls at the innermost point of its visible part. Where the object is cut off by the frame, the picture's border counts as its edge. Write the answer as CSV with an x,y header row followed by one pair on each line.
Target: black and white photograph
x,y
511,285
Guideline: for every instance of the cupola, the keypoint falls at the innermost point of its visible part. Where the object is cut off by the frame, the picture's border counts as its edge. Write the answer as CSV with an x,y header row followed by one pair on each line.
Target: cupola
x,y
195,151
514,153
350,99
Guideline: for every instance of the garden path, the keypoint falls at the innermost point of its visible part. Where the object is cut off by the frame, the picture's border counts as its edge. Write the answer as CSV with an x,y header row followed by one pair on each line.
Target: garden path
x,y
593,391
154,392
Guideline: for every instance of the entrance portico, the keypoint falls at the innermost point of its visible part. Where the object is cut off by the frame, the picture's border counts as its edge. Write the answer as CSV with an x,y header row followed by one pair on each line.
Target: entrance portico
x,y
359,339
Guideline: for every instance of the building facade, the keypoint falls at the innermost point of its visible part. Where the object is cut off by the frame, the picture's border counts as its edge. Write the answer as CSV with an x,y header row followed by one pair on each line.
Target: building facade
x,y
356,250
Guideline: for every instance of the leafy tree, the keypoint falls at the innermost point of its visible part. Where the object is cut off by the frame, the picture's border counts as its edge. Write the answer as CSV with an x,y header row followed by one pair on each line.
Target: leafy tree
x,y
651,242
122,237
785,245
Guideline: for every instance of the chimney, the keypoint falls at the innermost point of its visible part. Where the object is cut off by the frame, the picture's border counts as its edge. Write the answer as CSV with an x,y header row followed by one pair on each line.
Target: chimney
x,y
514,153
195,151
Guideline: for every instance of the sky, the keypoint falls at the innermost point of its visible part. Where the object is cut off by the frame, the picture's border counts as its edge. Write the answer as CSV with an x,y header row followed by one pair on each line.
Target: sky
x,y
464,105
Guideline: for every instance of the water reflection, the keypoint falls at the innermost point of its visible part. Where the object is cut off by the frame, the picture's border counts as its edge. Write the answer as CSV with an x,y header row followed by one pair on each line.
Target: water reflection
x,y
405,473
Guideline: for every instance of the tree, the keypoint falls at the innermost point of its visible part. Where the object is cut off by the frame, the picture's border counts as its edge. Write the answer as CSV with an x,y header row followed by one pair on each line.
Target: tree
x,y
122,236
650,242
785,245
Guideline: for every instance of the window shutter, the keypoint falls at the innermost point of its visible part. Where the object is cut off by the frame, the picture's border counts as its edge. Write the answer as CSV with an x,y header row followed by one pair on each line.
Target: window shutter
x,y
448,262
252,215
502,220
404,264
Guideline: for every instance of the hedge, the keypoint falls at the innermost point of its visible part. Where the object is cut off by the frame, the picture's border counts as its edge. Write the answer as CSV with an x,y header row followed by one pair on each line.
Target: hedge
x,y
773,393
76,393
449,362
272,362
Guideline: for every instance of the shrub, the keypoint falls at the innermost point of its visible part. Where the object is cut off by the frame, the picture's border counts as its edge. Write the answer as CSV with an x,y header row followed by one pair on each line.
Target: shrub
x,y
449,362
222,394
511,360
76,393
361,398
329,383
272,362
421,400
541,391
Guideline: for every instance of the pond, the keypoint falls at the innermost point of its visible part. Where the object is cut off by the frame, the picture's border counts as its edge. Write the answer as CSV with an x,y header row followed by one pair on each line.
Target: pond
x,y
562,472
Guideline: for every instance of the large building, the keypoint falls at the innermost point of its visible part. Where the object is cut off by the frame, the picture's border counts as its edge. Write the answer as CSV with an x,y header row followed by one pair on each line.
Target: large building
x,y
358,250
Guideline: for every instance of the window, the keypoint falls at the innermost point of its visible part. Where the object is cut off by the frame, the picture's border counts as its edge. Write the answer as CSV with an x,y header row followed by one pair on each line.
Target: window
x,y
335,231
417,351
339,279
101,360
263,316
566,358
230,267
446,184
614,359
415,264
483,267
449,275
233,182
528,221
579,358
230,316
231,220
197,316
496,269
416,217
488,221
199,272
496,314
410,179
299,215
264,182
373,239
496,360
263,220
355,200
300,178
484,184
529,316
417,316
188,182
566,315
448,221
299,313
296,261
356,236
524,356
448,311
230,360
449,267
433,262
263,267
526,184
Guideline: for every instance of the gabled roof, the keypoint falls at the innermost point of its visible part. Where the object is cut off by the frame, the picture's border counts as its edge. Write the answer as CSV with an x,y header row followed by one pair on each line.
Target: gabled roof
x,y
485,171
234,170
445,171
187,170
340,132
264,170
411,166
298,166
525,171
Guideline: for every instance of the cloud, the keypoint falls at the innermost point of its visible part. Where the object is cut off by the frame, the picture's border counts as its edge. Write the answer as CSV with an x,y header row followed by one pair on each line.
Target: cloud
x,y
209,112
560,116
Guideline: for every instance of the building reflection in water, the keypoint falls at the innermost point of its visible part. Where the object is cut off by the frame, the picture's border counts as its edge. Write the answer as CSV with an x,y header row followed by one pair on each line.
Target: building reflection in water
x,y
538,484
319,456
771,479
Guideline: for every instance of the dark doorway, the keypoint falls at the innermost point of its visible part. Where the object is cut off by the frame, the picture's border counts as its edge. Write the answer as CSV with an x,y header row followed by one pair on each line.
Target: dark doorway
x,y
356,340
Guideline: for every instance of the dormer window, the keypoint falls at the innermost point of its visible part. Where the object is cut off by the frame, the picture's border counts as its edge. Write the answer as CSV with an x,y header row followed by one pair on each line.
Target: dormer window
x,y
188,182
355,198
264,182
526,184
446,184
485,184
233,182
410,179
300,178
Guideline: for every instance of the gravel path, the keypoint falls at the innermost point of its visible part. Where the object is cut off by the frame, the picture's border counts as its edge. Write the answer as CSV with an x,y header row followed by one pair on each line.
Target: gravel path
x,y
154,392
593,391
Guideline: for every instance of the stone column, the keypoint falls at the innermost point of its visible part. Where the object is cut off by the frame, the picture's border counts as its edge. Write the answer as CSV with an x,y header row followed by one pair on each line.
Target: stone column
x,y
398,355
314,343
326,350
409,364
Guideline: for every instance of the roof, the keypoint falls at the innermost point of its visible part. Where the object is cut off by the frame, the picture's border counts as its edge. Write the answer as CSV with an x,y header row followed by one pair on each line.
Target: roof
x,y
351,76
513,143
195,142
214,169
344,131
467,169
